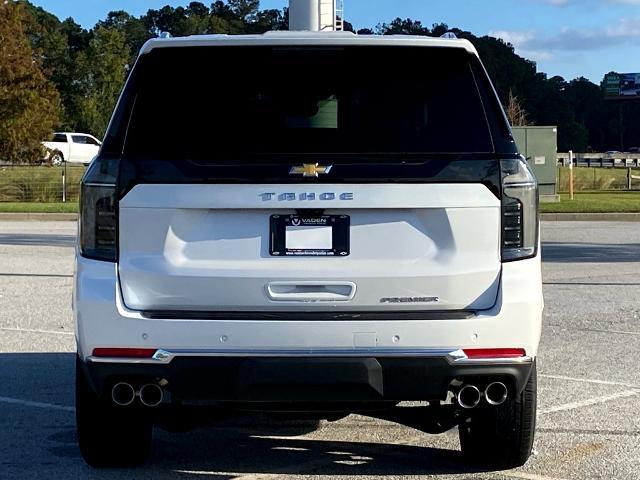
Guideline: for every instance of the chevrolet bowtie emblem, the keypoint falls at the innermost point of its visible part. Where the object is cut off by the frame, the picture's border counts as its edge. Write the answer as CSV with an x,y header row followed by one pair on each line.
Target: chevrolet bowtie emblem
x,y
310,170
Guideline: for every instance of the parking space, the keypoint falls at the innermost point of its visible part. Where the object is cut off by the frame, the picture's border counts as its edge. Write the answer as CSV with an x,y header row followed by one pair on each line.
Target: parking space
x,y
589,385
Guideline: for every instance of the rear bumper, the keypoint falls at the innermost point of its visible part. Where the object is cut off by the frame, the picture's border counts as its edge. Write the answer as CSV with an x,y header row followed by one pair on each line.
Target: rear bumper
x,y
307,380
373,359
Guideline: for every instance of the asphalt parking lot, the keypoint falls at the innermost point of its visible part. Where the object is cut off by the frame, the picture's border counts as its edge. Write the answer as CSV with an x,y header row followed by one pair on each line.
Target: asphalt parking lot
x,y
589,383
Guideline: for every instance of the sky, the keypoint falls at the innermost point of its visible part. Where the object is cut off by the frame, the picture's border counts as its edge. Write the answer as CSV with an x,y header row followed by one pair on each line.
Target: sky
x,y
570,38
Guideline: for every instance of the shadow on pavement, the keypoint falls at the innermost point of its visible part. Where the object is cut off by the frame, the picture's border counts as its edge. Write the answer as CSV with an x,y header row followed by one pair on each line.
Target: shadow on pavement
x,y
590,253
43,439
40,240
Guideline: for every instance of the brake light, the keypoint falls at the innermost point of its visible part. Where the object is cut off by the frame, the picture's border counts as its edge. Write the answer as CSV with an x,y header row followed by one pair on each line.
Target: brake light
x,y
520,225
98,219
475,353
124,352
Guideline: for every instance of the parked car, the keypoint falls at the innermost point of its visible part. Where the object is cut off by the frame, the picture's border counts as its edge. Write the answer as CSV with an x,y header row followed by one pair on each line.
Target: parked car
x,y
72,148
323,246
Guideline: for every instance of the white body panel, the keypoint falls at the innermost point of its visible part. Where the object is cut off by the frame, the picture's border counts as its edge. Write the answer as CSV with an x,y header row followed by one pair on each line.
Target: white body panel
x,y
287,38
103,320
206,247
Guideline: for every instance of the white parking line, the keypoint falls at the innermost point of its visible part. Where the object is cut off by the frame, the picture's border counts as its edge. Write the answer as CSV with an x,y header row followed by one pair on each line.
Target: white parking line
x,y
29,403
588,402
524,476
588,380
30,330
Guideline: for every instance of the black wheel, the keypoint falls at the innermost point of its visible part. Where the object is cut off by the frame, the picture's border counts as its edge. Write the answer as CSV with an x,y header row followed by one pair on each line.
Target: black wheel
x,y
502,436
108,435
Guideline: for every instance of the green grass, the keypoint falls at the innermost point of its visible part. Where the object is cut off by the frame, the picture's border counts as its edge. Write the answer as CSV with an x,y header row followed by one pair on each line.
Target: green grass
x,y
595,202
39,183
32,207
594,179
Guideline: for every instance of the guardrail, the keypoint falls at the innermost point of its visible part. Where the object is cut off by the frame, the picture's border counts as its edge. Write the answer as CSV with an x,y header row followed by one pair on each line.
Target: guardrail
x,y
603,160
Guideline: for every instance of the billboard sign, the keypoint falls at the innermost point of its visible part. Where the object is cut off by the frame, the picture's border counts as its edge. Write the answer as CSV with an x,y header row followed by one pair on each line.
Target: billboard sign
x,y
621,86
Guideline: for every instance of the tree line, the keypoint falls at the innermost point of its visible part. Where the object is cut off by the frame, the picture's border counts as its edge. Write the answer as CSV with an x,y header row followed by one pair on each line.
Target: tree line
x,y
56,75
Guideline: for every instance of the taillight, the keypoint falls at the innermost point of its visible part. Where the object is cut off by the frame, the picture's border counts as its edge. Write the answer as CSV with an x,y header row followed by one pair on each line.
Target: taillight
x,y
98,220
124,352
520,226
478,353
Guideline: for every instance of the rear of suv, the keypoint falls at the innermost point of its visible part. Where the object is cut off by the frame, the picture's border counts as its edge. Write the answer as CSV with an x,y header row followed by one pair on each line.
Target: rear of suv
x,y
317,224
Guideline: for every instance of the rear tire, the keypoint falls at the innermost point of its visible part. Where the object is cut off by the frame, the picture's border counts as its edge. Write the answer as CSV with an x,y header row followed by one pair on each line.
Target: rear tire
x,y
56,158
502,436
108,435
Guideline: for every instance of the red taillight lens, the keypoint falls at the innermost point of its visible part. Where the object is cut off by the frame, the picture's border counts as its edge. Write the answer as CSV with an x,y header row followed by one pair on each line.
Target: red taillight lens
x,y
124,352
494,352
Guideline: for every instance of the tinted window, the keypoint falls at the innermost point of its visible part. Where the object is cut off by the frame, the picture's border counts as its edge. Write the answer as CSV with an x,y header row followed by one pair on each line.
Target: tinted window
x,y
60,137
91,141
79,139
216,103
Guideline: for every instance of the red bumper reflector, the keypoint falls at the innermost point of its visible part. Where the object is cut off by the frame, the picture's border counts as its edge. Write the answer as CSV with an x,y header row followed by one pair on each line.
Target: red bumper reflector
x,y
124,352
494,352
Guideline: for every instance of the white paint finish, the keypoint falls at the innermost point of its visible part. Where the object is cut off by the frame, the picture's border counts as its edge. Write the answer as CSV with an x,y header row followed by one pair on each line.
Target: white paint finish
x,y
289,38
256,197
102,320
74,152
211,251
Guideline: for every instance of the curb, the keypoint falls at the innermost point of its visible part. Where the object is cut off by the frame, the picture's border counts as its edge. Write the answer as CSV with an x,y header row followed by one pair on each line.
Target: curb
x,y
39,217
590,217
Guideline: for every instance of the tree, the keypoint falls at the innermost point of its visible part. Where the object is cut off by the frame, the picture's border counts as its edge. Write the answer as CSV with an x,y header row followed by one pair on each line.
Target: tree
x,y
401,26
103,69
245,10
516,114
29,102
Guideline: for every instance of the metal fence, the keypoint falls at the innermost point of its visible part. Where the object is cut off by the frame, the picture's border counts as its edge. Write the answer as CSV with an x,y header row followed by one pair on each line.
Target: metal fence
x,y
40,183
599,179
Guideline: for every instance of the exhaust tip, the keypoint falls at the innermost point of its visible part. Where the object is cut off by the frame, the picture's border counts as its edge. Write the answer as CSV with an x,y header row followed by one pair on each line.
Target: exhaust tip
x,y
468,396
123,394
151,395
496,393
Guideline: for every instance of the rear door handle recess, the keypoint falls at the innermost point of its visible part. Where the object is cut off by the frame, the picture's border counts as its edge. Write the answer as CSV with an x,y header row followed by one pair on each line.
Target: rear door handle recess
x,y
310,291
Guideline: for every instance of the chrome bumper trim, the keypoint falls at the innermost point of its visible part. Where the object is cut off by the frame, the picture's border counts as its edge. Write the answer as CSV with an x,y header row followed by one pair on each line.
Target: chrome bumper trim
x,y
454,357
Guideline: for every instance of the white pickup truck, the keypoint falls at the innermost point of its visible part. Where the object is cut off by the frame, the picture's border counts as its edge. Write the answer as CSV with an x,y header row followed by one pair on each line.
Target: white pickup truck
x,y
72,148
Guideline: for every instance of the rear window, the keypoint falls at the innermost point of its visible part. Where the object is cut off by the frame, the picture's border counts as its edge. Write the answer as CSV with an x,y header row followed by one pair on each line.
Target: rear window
x,y
219,103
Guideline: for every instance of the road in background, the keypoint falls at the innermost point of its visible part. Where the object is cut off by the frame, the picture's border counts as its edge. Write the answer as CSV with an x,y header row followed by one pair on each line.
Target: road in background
x,y
589,384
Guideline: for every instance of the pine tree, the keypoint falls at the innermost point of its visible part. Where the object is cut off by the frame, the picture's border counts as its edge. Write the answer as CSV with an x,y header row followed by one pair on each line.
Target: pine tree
x,y
29,102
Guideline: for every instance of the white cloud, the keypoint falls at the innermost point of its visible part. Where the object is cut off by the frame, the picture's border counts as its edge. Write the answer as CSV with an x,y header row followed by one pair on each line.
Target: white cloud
x,y
626,30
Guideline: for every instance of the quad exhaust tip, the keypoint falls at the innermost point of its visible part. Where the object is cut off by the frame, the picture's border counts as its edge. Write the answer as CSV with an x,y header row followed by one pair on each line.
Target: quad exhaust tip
x,y
468,396
496,393
151,395
123,394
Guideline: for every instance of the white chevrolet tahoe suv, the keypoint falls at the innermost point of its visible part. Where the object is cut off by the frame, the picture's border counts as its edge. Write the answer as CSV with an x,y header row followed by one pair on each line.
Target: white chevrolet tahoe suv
x,y
316,224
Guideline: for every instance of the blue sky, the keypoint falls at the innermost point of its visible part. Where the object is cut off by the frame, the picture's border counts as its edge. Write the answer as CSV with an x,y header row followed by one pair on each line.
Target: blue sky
x,y
571,38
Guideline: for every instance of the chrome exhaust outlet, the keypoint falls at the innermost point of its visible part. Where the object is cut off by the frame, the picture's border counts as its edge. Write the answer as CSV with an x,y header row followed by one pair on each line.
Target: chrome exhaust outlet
x,y
468,396
151,395
123,394
496,393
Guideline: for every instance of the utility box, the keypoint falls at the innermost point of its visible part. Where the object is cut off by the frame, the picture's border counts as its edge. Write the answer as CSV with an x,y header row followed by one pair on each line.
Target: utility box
x,y
539,145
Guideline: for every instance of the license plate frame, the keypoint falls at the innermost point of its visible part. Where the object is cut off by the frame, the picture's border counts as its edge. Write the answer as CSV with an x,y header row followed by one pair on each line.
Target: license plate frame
x,y
340,232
